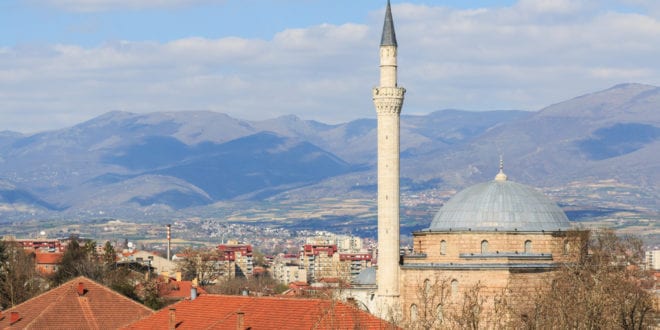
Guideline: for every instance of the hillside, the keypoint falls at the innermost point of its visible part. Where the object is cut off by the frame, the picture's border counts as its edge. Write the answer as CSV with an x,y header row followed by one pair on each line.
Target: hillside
x,y
186,160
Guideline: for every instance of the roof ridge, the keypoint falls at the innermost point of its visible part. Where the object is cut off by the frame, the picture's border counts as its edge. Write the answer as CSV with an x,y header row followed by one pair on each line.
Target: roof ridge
x,y
107,289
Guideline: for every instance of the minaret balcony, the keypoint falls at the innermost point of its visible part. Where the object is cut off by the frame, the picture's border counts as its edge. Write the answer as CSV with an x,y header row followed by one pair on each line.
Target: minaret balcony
x,y
394,92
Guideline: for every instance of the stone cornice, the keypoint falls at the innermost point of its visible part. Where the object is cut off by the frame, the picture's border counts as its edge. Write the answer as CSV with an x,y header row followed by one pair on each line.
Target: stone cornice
x,y
388,100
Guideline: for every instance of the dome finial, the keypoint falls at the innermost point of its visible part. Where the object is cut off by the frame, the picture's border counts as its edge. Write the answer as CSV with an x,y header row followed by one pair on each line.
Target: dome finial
x,y
501,176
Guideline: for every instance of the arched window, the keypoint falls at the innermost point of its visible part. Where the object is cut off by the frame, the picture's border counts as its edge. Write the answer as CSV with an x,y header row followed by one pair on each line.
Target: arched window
x,y
484,246
567,247
439,313
443,247
454,288
427,287
528,246
413,313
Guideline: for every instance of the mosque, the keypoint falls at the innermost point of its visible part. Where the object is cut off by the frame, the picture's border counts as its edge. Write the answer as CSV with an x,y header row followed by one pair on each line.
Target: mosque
x,y
492,236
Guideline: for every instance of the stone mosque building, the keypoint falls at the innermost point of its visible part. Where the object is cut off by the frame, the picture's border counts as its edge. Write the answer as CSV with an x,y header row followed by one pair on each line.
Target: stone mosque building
x,y
496,235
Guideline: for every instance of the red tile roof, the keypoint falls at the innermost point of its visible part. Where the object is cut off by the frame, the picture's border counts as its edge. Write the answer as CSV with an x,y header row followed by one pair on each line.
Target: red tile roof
x,y
48,258
177,289
63,308
221,312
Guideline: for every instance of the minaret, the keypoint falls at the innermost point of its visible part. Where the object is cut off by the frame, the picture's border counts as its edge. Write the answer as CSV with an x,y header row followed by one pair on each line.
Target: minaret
x,y
388,99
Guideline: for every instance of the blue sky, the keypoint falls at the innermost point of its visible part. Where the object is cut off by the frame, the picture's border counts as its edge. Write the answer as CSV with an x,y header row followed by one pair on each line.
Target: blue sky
x,y
66,61
80,22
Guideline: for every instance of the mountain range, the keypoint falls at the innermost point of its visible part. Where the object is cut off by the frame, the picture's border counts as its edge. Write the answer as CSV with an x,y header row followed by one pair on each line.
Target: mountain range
x,y
179,160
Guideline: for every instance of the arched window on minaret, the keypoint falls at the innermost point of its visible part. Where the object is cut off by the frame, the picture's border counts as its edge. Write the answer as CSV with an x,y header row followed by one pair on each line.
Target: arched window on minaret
x,y
443,247
567,247
484,247
454,288
528,246
413,313
427,287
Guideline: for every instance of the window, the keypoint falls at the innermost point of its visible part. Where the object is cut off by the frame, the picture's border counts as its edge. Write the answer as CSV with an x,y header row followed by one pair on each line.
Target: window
x,y
567,247
484,247
439,313
454,288
528,246
427,287
443,247
413,313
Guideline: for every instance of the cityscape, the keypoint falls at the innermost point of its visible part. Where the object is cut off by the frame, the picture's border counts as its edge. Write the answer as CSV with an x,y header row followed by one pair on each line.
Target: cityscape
x,y
446,219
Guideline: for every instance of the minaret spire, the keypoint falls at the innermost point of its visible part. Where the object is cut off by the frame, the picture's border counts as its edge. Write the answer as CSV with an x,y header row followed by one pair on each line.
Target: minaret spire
x,y
389,37
388,99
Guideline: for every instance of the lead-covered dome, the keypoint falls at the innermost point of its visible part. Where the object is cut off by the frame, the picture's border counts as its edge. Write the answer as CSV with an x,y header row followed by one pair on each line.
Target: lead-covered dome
x,y
500,205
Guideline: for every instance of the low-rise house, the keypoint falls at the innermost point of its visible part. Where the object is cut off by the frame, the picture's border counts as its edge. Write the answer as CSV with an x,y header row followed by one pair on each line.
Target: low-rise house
x,y
77,304
158,264
241,312
172,289
47,262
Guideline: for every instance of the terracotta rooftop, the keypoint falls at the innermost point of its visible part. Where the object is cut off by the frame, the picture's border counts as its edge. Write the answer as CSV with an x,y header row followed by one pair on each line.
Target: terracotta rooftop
x,y
78,304
177,289
226,312
48,257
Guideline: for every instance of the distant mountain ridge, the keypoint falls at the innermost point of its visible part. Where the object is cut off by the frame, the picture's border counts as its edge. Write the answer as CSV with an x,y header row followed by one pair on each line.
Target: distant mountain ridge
x,y
177,160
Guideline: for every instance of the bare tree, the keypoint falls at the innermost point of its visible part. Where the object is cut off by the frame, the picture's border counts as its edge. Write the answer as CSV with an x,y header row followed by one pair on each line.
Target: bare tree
x,y
19,280
471,313
605,288
203,264
436,306
431,306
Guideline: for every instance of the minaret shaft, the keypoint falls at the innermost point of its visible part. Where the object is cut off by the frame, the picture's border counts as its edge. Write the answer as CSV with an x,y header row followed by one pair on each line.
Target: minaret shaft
x,y
388,99
388,65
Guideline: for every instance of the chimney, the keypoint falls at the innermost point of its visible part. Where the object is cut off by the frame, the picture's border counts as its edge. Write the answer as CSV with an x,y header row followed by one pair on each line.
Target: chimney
x,y
169,242
172,320
193,293
240,320
14,317
81,288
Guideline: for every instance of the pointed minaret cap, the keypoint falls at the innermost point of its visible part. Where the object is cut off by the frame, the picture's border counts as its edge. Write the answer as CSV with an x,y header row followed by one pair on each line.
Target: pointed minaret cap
x,y
501,176
389,37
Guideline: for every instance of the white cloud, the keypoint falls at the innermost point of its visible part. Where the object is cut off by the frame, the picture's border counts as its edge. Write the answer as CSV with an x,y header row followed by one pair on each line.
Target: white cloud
x,y
105,5
520,57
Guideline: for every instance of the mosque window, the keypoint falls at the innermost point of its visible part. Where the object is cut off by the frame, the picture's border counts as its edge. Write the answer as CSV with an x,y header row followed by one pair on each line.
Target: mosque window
x,y
439,313
567,247
413,313
427,287
484,246
454,288
528,246
443,247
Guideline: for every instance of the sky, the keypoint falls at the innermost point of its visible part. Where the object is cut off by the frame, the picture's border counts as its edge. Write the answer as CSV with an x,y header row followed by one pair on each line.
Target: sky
x,y
63,62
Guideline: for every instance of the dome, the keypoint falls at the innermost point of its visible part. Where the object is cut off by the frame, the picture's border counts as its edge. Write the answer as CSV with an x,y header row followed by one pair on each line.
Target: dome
x,y
500,205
